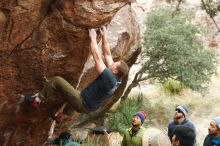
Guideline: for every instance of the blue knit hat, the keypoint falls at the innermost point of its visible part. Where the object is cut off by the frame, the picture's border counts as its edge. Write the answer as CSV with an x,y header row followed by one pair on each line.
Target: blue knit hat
x,y
183,109
217,121
142,115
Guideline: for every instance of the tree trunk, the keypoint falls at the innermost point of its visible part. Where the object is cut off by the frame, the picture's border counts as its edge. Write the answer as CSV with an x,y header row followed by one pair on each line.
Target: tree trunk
x,y
212,17
128,90
137,78
216,24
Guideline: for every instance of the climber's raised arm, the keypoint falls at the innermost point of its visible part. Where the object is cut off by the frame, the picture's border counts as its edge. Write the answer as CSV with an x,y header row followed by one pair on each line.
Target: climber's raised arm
x,y
105,47
99,64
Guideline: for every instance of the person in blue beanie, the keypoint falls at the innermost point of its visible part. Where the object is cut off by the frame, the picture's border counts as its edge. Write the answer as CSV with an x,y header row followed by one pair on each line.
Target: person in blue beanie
x,y
213,138
133,135
180,118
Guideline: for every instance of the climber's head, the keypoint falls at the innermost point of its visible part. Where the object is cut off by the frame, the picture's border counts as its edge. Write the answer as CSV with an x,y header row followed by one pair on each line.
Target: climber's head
x,y
119,68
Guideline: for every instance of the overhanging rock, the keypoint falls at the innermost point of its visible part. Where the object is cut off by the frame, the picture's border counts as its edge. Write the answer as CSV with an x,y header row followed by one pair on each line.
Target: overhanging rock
x,y
50,38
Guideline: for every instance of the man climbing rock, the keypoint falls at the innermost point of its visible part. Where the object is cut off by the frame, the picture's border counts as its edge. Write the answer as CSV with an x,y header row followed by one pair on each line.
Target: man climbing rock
x,y
180,114
213,138
133,135
91,97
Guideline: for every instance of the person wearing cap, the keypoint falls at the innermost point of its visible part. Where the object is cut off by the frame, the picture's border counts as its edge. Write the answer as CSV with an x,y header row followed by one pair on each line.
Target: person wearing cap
x,y
180,118
183,136
213,138
133,135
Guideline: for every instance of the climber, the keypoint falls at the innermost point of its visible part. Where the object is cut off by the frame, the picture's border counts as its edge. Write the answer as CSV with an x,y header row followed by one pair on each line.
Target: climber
x,y
133,135
91,97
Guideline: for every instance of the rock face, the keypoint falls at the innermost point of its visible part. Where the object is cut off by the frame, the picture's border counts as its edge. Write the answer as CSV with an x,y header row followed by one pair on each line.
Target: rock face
x,y
50,38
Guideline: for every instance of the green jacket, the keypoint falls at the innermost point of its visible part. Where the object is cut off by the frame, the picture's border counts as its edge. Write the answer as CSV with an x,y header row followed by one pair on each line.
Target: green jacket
x,y
133,140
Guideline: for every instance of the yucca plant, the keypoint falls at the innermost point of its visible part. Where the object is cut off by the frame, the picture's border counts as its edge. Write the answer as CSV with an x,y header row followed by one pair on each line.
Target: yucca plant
x,y
121,120
173,87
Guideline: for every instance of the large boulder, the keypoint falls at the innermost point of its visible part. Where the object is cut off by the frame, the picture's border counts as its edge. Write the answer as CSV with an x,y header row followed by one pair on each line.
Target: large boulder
x,y
50,38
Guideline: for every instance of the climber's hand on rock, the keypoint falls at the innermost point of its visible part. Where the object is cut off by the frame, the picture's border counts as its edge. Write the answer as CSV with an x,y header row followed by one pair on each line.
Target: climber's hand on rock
x,y
92,34
103,31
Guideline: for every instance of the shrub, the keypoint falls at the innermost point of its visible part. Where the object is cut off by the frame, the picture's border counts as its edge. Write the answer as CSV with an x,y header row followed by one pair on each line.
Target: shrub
x,y
159,112
121,120
173,87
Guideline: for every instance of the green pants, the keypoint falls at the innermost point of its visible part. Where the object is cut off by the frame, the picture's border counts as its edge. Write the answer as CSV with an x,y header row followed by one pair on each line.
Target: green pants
x,y
70,95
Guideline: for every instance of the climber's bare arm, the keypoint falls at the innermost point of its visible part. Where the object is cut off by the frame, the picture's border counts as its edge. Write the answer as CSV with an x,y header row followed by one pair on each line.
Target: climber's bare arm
x,y
105,47
99,64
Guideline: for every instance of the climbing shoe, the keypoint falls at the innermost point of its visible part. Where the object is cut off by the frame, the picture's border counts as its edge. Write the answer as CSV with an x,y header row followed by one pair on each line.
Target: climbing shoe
x,y
33,100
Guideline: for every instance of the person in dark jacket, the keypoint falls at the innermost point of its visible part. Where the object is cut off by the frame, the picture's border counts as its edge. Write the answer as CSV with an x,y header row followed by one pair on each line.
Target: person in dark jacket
x,y
213,138
183,136
181,112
